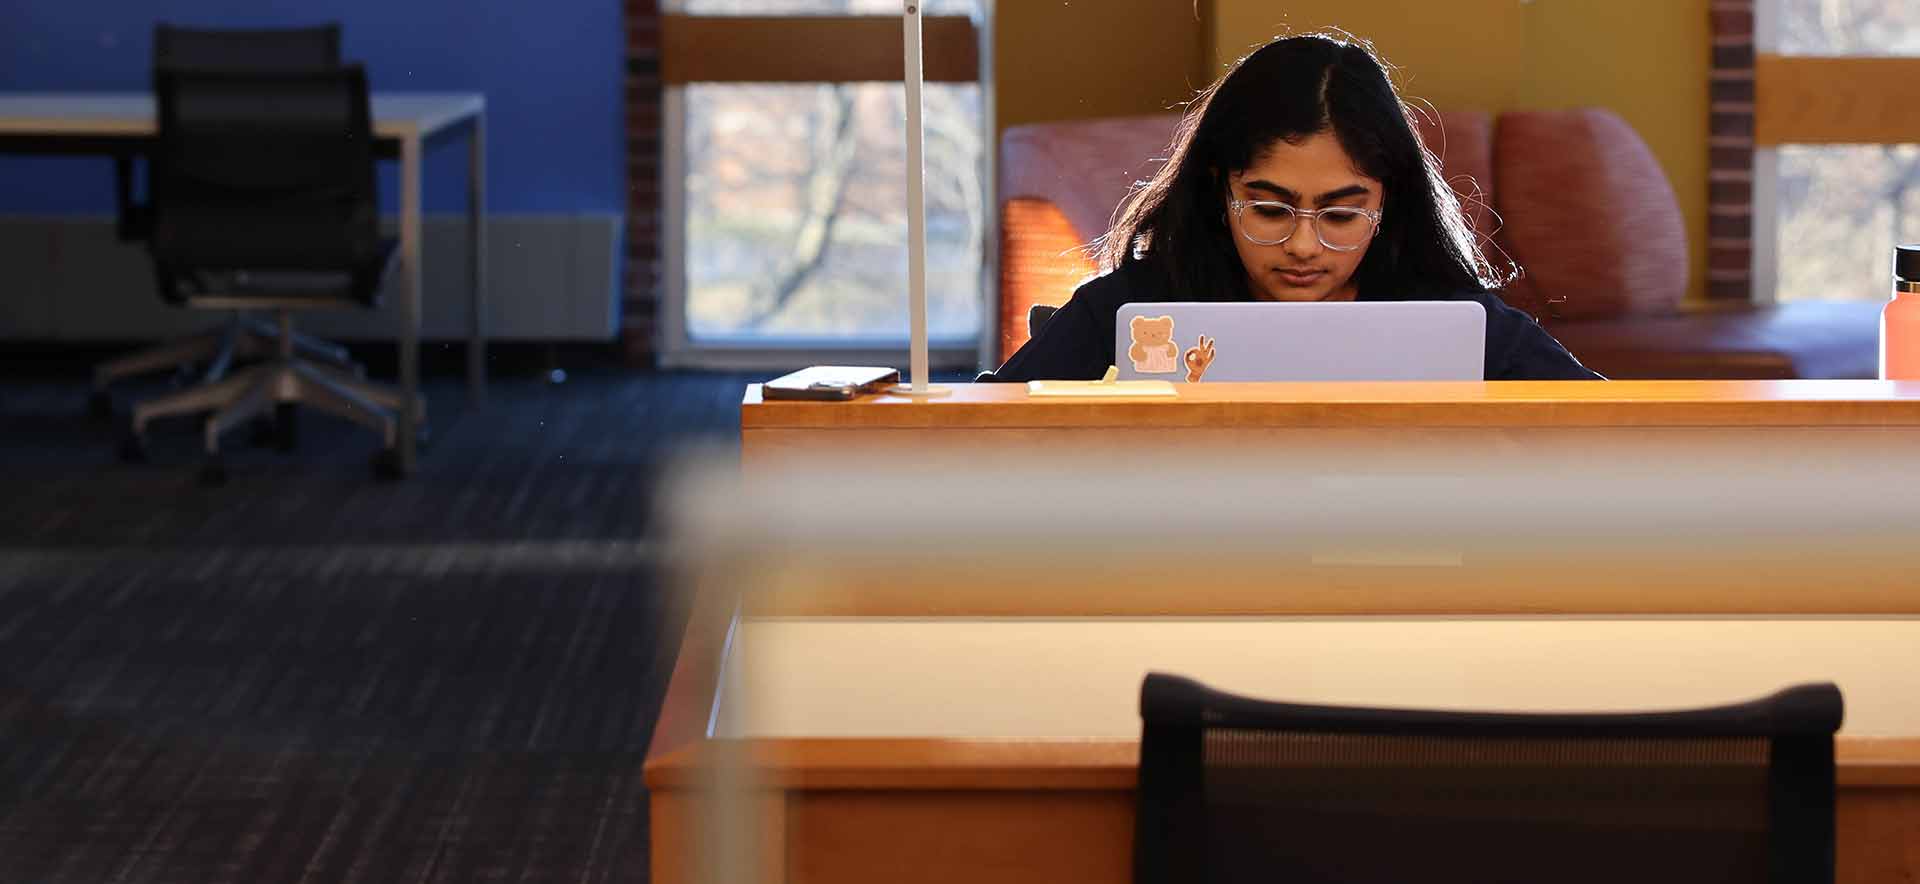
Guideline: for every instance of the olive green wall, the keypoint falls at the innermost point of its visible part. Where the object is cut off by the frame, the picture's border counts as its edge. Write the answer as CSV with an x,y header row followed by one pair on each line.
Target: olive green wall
x,y
1646,60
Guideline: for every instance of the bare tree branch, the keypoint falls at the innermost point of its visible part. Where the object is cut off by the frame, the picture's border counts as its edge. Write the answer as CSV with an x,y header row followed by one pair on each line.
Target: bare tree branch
x,y
823,191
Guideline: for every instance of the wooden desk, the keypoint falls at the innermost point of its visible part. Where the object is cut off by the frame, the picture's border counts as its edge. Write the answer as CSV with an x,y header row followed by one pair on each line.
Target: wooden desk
x,y
972,749
122,125
1357,419
941,744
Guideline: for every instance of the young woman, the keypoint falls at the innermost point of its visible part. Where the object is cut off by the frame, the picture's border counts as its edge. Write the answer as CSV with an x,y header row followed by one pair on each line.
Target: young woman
x,y
1296,177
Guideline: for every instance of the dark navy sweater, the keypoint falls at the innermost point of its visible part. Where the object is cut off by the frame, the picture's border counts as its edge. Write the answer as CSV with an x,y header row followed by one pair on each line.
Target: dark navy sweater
x,y
1077,343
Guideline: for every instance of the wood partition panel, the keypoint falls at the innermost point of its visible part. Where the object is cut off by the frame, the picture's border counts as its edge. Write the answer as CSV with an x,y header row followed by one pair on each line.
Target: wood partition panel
x,y
812,49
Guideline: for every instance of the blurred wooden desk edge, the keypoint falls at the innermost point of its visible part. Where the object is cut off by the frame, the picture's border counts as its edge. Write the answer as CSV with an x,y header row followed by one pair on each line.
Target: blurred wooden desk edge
x,y
1417,404
1074,765
997,425
1044,810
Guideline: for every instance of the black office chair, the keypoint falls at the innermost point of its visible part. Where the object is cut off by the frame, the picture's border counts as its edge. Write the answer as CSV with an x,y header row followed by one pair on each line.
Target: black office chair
x,y
259,49
1235,789
240,336
264,199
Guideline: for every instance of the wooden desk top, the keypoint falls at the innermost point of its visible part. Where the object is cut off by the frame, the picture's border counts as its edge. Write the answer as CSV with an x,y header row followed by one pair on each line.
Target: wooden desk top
x,y
1069,678
1051,703
131,114
1404,404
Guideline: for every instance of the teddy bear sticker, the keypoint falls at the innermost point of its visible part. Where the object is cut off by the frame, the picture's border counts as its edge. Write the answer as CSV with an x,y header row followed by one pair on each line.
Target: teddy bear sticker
x,y
1153,350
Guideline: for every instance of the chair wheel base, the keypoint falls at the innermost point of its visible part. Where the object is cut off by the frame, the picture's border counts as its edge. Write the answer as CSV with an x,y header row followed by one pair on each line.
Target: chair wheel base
x,y
133,448
213,473
100,404
286,427
386,466
279,430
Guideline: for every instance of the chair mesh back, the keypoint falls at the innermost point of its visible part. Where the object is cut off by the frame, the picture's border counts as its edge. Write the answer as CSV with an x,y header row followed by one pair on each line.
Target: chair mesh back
x,y
1238,790
264,171
267,49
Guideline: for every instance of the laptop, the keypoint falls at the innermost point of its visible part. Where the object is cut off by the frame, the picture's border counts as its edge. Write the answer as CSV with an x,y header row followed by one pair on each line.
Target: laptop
x,y
1314,341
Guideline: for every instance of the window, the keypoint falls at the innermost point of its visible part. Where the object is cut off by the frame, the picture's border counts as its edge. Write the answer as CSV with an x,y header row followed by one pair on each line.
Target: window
x,y
1847,27
1837,177
786,182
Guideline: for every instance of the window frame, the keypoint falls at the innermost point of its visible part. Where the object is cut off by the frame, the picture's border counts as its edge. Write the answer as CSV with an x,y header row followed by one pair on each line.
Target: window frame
x,y
1787,112
699,49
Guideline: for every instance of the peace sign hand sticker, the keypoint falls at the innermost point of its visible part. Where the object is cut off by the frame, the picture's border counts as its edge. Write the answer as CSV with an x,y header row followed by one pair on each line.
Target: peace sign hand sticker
x,y
1198,358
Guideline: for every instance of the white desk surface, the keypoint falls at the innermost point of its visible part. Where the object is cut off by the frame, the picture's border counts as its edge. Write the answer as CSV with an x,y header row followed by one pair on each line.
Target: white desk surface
x,y
1067,678
395,115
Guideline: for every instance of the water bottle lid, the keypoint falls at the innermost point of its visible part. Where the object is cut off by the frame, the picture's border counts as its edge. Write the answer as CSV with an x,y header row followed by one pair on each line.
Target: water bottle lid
x,y
1906,262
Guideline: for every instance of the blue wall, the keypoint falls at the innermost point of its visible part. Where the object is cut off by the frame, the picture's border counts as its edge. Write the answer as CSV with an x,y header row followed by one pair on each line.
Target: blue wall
x,y
551,70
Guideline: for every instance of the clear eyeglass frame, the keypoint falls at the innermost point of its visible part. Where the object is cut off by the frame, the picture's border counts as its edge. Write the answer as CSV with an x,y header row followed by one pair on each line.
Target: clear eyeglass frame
x,y
1239,207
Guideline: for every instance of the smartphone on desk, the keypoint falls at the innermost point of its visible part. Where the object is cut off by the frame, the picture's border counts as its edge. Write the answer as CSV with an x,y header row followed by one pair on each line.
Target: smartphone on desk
x,y
830,382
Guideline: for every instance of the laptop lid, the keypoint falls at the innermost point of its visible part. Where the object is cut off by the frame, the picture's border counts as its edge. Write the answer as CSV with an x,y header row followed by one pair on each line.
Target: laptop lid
x,y
1315,341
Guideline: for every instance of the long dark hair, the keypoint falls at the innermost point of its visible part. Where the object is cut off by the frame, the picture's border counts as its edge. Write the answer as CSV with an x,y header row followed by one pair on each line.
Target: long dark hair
x,y
1289,89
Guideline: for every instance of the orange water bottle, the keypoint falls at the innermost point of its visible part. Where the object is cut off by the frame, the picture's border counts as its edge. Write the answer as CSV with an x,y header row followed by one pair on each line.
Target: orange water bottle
x,y
1900,320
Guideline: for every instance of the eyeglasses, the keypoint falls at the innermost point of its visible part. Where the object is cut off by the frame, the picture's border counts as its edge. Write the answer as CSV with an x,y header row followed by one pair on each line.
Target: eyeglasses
x,y
1270,223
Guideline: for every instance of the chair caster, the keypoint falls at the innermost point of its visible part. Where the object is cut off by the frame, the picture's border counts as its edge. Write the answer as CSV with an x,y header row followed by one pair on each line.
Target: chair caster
x,y
213,473
286,427
262,433
133,448
278,431
100,404
386,466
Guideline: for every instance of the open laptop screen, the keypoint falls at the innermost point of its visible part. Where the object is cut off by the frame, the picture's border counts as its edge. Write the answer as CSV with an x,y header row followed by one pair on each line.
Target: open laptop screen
x,y
1317,341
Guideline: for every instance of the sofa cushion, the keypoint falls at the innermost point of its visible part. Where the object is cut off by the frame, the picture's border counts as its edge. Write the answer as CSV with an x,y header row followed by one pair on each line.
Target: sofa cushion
x,y
1588,214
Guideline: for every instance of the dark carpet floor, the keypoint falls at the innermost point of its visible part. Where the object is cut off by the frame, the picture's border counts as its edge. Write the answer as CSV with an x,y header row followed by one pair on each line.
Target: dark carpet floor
x,y
309,675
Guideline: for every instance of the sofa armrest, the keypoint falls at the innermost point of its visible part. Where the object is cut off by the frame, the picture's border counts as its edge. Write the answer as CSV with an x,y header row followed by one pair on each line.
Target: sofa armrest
x,y
1799,339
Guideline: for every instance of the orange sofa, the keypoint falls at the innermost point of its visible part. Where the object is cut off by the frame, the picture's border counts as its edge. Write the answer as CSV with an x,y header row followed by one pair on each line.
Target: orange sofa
x,y
1575,197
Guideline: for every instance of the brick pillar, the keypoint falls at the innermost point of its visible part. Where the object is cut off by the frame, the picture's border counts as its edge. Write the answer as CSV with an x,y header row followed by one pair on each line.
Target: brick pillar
x,y
1730,158
641,292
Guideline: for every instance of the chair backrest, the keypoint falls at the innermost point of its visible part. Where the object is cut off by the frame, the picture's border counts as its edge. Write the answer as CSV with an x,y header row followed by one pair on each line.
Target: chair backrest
x,y
1237,789
252,49
1037,316
255,49
264,171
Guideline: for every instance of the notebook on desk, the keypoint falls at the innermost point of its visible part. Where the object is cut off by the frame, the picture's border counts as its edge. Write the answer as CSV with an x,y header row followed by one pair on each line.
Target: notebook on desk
x,y
1317,341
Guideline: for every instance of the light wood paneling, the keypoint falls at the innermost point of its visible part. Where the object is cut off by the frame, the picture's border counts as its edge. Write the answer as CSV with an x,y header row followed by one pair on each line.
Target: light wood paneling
x,y
1800,100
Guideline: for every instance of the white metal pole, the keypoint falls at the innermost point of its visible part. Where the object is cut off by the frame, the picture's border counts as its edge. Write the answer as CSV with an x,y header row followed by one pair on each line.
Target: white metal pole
x,y
916,204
